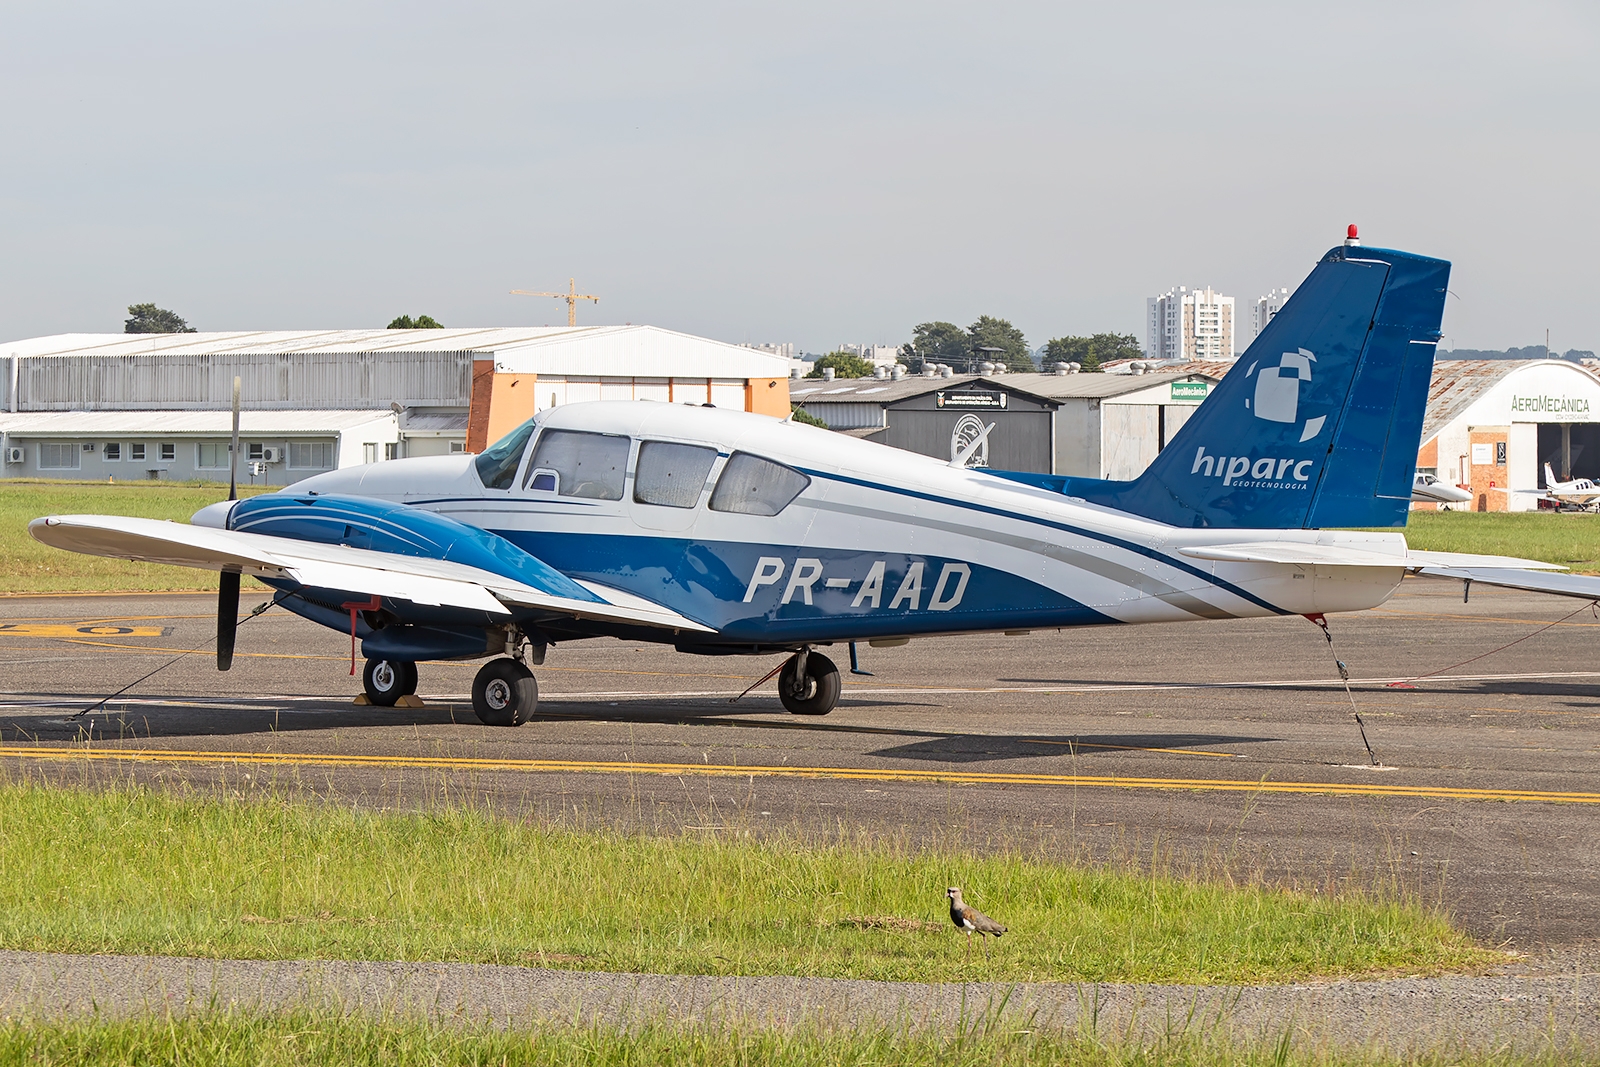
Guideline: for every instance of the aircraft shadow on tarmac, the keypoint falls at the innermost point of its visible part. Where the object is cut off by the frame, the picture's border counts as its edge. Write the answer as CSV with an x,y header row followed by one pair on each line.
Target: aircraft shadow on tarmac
x,y
152,718
978,748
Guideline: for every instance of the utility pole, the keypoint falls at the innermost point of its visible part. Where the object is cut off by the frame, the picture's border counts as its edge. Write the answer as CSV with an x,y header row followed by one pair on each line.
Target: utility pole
x,y
571,296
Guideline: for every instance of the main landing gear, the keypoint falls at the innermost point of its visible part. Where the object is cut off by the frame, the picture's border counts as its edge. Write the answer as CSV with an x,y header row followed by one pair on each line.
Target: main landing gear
x,y
504,693
809,683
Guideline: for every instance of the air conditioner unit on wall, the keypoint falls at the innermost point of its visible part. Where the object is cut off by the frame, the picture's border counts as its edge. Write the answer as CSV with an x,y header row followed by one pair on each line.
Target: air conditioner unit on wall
x,y
14,455
272,455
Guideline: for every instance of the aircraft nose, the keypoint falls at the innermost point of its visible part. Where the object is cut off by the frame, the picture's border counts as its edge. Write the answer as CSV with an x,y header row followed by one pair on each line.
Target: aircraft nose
x,y
213,515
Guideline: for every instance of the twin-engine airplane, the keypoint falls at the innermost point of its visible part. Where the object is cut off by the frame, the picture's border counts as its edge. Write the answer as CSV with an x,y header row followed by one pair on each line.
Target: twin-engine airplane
x,y
726,533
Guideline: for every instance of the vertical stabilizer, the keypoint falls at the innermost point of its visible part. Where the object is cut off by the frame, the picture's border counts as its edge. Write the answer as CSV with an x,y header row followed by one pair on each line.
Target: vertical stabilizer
x,y
1318,423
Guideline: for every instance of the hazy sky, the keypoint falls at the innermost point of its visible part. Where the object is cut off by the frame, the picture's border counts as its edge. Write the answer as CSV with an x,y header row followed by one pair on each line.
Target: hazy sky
x,y
818,173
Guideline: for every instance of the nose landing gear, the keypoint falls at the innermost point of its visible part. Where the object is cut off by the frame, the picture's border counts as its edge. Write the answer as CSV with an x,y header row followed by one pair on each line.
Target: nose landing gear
x,y
387,680
809,683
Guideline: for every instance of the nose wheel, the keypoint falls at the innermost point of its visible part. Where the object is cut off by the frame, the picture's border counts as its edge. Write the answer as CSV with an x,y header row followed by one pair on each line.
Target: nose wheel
x,y
809,684
504,693
387,680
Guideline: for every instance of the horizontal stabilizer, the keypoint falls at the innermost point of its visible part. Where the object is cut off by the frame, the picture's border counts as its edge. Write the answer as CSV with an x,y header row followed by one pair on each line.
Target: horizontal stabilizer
x,y
1583,586
1303,554
420,580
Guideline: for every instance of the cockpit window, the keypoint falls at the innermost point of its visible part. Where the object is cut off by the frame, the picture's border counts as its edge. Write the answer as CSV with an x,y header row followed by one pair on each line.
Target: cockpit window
x,y
497,465
750,485
588,465
671,475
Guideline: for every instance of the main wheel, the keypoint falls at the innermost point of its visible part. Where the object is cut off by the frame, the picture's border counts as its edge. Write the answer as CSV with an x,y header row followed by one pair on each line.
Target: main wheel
x,y
387,680
504,693
817,693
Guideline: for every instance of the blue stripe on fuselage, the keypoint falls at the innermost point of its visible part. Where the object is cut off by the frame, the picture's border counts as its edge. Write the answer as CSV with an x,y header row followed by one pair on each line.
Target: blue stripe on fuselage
x,y
709,581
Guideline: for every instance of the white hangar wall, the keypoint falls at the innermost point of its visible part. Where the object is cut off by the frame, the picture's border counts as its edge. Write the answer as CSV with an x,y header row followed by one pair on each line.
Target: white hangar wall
x,y
1522,405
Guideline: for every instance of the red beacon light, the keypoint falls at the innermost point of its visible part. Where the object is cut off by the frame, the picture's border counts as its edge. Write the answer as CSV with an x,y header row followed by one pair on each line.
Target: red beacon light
x,y
1351,237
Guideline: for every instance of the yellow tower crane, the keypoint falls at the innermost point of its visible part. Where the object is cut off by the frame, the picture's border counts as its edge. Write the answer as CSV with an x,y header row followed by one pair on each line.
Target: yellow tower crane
x,y
571,296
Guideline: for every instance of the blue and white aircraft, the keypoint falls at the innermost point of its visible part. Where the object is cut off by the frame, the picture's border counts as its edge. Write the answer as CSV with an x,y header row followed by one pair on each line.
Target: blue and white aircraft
x,y
726,533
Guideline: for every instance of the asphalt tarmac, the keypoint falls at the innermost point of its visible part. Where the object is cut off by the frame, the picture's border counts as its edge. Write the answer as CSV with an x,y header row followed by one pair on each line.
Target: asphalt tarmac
x,y
1210,746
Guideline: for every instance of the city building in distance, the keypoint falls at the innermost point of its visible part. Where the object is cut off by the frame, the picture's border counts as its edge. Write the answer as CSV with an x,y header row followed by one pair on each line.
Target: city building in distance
x,y
1189,324
1268,306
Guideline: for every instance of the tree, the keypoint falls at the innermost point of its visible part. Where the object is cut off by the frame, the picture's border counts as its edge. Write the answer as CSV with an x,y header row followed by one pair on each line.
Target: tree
x,y
147,318
990,332
844,364
421,322
935,342
802,415
1092,352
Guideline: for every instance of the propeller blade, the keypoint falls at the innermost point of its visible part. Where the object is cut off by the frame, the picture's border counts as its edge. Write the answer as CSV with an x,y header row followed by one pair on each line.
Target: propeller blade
x,y
227,617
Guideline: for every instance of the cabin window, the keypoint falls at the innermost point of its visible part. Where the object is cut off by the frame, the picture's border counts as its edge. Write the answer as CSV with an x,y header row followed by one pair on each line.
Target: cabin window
x,y
497,466
750,485
169,451
672,475
136,451
113,451
592,466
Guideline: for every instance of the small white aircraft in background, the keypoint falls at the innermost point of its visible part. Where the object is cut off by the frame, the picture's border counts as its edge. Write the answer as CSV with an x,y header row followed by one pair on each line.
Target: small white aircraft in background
x,y
1427,489
1579,492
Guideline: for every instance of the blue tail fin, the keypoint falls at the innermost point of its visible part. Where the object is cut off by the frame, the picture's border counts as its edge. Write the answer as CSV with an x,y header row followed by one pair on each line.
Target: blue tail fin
x,y
1319,422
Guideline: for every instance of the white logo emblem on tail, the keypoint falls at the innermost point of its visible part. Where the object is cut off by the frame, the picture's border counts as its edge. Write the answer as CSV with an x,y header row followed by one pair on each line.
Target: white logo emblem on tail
x,y
1277,397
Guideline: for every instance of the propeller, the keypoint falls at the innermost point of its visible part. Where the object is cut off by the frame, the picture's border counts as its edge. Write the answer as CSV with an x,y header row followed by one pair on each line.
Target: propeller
x,y
228,583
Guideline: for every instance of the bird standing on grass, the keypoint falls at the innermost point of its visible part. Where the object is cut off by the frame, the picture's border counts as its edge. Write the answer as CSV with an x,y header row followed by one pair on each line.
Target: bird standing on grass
x,y
970,919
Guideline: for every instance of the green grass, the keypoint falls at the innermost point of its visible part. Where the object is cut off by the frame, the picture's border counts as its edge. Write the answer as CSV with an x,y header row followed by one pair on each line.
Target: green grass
x,y
1571,539
26,566
128,870
257,1040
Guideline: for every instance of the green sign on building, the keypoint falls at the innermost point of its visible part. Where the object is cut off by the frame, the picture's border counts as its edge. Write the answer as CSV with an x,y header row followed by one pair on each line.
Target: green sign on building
x,y
1189,390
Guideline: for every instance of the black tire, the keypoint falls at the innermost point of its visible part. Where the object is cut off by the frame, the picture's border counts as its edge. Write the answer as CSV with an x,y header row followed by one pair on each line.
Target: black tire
x,y
387,680
504,693
822,686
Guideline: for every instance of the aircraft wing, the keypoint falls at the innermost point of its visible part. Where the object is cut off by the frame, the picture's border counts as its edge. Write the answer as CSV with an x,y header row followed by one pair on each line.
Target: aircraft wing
x,y
1306,554
432,582
1583,586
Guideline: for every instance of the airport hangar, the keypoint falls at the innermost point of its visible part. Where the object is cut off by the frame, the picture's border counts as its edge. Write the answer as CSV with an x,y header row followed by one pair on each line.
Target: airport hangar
x,y
1493,424
1089,425
157,406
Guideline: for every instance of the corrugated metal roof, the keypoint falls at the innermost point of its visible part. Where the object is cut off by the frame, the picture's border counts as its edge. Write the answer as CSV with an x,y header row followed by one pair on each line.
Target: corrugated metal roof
x,y
624,351
1043,386
95,424
1459,383
871,390
1094,386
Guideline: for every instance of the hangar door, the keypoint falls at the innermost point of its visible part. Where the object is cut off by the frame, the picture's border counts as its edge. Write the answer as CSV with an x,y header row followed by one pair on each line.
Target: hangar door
x,y
1132,435
1583,446
939,423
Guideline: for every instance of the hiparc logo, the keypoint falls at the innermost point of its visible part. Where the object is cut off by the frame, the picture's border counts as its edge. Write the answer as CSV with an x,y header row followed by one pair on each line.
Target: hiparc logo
x,y
1267,472
1277,395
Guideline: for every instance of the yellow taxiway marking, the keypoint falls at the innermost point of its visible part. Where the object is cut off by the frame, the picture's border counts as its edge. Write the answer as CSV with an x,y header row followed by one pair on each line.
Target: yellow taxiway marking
x,y
94,629
943,777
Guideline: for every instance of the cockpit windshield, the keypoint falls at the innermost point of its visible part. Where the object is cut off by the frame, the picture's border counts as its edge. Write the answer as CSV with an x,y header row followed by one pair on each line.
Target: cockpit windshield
x,y
497,465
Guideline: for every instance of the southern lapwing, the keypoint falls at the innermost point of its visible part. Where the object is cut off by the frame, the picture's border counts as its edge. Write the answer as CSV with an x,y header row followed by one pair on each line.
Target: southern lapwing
x,y
970,919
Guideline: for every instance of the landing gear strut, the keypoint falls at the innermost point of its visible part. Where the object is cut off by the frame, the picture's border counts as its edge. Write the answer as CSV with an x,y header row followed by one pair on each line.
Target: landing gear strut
x,y
387,680
809,683
504,693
